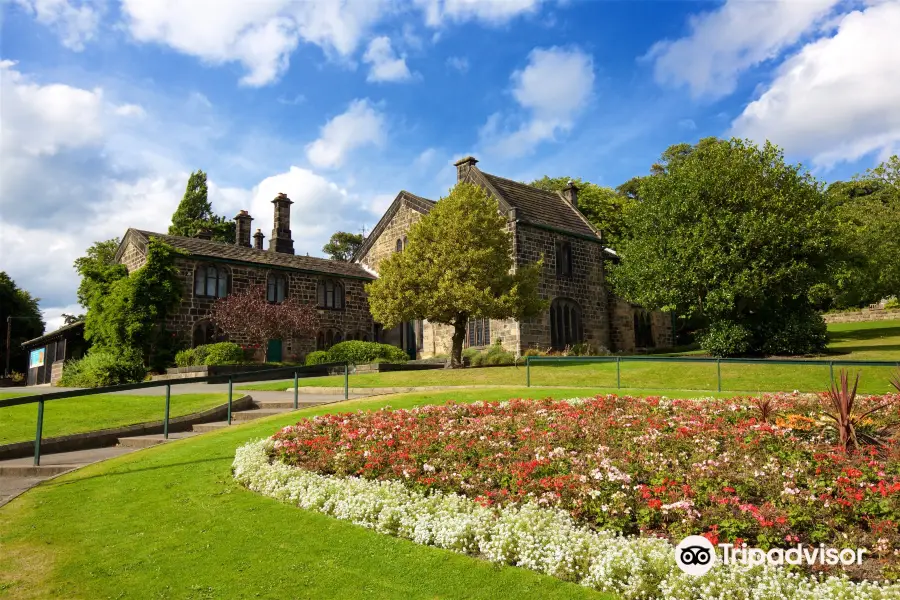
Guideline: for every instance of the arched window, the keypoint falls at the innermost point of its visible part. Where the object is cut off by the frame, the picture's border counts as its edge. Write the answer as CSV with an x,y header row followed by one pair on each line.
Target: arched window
x,y
204,332
405,242
643,329
328,338
399,245
210,281
566,327
331,294
276,288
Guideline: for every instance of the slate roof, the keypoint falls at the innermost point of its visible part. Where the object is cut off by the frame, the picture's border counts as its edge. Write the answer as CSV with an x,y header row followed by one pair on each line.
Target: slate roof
x,y
38,341
221,250
538,206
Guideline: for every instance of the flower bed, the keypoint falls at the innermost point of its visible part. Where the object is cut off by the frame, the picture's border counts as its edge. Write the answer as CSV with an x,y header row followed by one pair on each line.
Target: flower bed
x,y
653,466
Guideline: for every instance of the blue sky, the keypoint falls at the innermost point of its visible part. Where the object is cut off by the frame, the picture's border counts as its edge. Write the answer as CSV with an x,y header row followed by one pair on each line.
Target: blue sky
x,y
107,105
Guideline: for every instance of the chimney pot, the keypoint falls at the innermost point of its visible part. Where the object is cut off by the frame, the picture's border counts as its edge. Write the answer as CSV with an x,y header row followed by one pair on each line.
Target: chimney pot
x,y
570,192
463,166
242,228
281,233
258,239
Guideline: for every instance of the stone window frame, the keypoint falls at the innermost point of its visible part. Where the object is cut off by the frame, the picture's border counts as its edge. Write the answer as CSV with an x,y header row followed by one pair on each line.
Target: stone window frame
x,y
405,242
273,278
643,329
478,333
337,298
399,245
566,323
359,335
210,333
326,338
564,258
222,280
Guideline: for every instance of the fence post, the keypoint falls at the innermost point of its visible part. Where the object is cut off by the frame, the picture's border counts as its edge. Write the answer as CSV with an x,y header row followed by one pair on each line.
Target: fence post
x,y
527,371
296,390
618,373
166,422
719,374
37,436
831,373
346,381
229,399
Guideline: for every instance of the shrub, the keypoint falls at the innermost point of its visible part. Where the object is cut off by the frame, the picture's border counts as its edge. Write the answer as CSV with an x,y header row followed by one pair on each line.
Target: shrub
x,y
223,353
586,349
102,367
494,355
726,338
357,353
17,377
892,304
319,357
793,332
185,358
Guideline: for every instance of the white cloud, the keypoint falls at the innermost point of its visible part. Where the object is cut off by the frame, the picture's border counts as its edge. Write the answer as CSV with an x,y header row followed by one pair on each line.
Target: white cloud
x,y
733,38
385,64
359,126
75,21
839,97
552,90
259,35
130,110
458,63
493,12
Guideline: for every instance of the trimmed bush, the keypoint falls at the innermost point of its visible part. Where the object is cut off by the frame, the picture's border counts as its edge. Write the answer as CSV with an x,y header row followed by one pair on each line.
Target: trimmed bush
x,y
494,355
357,353
221,353
319,357
794,332
101,368
726,338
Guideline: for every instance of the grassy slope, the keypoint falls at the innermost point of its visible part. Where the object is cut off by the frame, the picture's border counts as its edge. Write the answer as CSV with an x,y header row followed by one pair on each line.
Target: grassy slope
x,y
87,413
848,341
169,522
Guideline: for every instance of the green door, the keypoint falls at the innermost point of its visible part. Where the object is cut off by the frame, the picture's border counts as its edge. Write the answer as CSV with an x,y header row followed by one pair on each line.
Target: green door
x,y
273,351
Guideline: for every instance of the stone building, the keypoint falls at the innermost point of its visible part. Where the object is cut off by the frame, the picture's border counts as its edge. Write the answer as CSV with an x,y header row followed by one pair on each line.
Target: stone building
x,y
212,270
543,224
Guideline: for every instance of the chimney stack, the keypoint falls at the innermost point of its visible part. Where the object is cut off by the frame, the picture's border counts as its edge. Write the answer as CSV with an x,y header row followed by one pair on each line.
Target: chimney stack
x,y
570,192
242,229
462,167
204,234
281,234
258,239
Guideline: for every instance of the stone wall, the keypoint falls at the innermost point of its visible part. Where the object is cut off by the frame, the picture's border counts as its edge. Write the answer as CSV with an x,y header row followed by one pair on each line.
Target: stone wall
x,y
864,314
395,229
133,257
586,285
623,333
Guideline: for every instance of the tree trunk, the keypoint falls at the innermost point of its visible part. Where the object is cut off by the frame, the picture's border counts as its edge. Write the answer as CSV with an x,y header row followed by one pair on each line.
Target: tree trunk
x,y
459,336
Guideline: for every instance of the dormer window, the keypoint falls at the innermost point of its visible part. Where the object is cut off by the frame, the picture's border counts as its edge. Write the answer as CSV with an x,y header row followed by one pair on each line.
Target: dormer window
x,y
563,259
331,294
276,288
210,281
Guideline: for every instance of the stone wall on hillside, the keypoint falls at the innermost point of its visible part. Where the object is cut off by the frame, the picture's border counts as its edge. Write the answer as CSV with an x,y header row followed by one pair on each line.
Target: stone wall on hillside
x,y
864,314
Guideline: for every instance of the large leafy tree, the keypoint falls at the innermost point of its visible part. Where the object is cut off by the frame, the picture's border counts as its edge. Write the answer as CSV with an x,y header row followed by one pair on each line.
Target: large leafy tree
x,y
867,265
26,322
125,312
98,270
195,213
343,245
246,313
729,232
603,206
457,266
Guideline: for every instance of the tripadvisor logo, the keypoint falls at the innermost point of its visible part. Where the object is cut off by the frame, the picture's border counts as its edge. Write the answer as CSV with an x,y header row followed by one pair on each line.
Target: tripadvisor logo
x,y
695,555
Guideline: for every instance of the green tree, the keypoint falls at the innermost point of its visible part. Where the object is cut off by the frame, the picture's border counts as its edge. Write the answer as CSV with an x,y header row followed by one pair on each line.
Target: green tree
x,y
728,232
457,266
98,270
604,207
195,213
343,245
26,322
867,264
126,317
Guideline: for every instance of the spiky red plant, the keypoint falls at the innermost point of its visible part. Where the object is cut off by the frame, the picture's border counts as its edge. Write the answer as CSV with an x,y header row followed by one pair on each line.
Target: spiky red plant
x,y
766,407
841,401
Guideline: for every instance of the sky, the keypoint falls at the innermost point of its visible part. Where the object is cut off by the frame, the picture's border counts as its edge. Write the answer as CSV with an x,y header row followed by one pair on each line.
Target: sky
x,y
108,105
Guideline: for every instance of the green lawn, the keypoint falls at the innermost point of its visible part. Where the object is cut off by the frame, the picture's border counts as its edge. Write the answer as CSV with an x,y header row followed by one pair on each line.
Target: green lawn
x,y
87,413
169,522
850,341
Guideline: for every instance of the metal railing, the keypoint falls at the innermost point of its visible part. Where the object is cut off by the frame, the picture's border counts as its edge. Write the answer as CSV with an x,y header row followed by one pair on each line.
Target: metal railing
x,y
244,376
529,360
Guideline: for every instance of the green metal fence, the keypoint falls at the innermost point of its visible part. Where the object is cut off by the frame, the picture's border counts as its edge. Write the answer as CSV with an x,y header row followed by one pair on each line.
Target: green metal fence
x,y
718,363
245,376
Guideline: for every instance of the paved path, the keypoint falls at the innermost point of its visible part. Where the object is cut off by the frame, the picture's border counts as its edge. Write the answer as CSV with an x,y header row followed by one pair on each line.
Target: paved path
x,y
19,474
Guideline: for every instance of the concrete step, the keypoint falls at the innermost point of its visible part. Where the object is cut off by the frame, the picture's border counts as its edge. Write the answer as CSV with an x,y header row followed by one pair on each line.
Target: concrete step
x,y
32,471
287,404
207,427
259,413
142,441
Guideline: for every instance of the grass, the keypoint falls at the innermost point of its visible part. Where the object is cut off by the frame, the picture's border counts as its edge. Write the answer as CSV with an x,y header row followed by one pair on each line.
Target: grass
x,y
169,522
847,341
88,413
